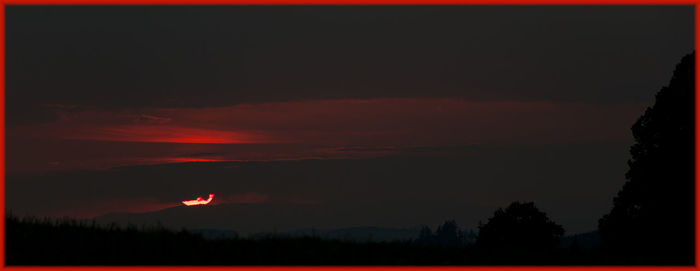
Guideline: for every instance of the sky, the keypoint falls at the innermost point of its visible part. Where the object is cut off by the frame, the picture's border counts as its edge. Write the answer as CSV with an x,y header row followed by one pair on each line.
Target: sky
x,y
330,116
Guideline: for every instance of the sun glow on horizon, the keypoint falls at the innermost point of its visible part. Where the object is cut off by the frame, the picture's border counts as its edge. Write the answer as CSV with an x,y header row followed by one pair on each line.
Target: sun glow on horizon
x,y
199,201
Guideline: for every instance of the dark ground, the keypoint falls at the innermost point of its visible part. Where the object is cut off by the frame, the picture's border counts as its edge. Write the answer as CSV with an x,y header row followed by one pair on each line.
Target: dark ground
x,y
32,241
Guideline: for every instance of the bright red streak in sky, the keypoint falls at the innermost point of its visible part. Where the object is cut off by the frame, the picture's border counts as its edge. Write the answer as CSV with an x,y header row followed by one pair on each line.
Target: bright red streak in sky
x,y
199,201
171,134
188,159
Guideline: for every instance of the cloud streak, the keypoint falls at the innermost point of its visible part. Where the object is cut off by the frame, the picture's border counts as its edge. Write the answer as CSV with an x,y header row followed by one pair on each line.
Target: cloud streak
x,y
313,129
390,121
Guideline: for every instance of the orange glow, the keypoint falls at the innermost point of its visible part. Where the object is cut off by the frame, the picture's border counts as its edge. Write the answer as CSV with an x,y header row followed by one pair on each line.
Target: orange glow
x,y
199,201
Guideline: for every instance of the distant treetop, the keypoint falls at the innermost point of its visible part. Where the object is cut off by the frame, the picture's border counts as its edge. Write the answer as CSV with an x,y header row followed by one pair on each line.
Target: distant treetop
x,y
519,226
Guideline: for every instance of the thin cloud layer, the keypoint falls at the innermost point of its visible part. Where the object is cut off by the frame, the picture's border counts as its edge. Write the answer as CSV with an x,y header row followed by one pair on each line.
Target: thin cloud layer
x,y
313,129
372,122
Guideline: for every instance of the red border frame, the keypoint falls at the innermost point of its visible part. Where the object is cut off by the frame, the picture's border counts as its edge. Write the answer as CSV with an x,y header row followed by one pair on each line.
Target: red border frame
x,y
338,2
348,2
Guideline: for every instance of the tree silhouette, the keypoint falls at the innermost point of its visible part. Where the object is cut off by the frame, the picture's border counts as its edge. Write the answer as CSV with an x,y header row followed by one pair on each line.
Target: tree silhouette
x,y
449,234
652,219
426,236
520,226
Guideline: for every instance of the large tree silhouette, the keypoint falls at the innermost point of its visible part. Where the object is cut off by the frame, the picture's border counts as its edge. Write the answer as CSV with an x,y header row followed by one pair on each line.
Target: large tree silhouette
x,y
521,226
652,220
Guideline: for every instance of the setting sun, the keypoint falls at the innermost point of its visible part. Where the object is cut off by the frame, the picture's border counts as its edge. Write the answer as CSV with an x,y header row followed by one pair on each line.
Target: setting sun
x,y
199,201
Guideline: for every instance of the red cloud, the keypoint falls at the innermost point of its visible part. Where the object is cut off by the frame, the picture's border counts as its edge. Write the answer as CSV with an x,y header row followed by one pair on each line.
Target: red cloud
x,y
375,122
148,119
313,129
163,134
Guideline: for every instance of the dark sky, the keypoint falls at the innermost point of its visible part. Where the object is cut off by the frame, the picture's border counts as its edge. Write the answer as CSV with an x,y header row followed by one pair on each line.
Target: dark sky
x,y
362,112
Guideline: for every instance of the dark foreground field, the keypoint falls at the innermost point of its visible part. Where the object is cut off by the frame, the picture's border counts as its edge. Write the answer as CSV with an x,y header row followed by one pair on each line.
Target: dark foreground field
x,y
69,242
